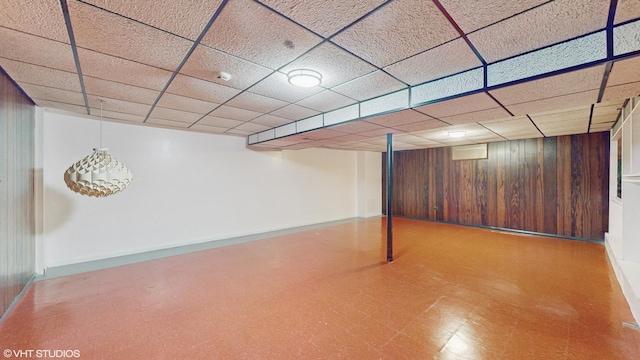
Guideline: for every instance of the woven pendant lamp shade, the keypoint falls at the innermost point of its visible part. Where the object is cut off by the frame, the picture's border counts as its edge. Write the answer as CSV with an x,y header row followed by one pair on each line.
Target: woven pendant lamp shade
x,y
98,175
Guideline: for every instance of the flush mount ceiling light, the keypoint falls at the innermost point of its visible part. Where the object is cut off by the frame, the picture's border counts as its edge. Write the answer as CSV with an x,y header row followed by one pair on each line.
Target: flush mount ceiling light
x,y
98,174
457,134
304,78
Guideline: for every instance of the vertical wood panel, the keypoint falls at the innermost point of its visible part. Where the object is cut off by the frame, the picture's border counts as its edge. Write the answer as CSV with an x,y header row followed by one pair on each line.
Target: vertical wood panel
x,y
551,185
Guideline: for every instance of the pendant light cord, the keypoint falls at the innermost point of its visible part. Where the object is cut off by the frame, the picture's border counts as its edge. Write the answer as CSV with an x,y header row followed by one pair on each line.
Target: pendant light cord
x,y
101,101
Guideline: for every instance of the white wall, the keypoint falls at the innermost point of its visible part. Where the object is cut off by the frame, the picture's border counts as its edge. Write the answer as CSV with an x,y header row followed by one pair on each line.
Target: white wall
x,y
187,188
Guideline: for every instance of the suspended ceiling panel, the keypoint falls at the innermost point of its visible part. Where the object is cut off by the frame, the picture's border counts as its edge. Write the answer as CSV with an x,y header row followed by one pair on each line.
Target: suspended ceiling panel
x,y
627,10
114,90
39,75
58,54
465,105
42,18
473,15
373,84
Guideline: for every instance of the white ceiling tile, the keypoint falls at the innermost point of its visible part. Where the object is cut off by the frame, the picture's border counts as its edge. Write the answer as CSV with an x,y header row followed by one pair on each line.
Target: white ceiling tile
x,y
621,91
555,103
277,86
209,129
417,25
42,18
253,128
403,117
214,121
515,125
111,34
525,136
254,102
627,10
183,103
356,127
569,83
35,50
477,116
124,71
326,101
421,126
167,123
38,75
368,86
205,63
187,20
200,89
294,112
473,15
53,94
624,72
239,132
323,17
461,105
114,90
270,120
251,31
582,112
229,112
577,126
334,64
545,25
175,115
604,119
446,59
601,127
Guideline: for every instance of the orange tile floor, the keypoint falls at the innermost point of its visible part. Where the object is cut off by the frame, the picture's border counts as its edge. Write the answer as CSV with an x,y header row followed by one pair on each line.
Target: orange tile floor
x,y
453,292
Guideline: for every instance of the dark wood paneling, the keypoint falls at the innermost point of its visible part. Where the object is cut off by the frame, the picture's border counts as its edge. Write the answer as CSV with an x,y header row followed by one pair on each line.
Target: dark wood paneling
x,y
549,185
17,235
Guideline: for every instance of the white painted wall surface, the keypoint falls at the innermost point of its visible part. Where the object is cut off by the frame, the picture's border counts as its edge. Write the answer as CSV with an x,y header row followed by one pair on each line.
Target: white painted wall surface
x,y
187,188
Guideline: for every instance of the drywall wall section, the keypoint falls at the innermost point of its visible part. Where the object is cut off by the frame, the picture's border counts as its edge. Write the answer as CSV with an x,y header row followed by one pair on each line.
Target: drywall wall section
x,y
187,188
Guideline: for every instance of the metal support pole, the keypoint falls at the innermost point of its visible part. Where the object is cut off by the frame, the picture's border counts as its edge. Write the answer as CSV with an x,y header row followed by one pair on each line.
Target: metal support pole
x,y
389,197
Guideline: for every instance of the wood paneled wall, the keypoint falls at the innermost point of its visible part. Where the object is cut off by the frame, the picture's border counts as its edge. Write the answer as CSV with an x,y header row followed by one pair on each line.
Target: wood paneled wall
x,y
17,237
557,185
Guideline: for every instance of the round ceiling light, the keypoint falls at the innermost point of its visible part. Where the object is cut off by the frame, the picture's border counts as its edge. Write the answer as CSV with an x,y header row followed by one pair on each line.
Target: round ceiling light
x,y
304,78
457,134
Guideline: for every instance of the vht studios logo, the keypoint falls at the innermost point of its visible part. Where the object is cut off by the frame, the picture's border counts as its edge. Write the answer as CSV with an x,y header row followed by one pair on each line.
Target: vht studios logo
x,y
40,353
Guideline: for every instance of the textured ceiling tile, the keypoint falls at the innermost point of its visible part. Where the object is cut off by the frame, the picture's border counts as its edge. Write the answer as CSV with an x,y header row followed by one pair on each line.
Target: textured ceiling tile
x,y
118,116
621,91
545,25
255,102
607,108
350,138
294,112
277,86
515,125
219,122
35,50
569,83
369,86
355,127
323,17
239,132
417,25
413,139
168,123
53,94
381,132
555,103
174,115
200,89
117,105
472,15
121,70
270,120
447,59
322,134
60,106
107,33
110,89
477,116
42,18
208,129
38,75
184,19
251,31
205,63
562,115
421,126
334,64
577,126
178,102
462,105
403,117
326,101
604,119
229,112
251,127
627,10
624,72
601,127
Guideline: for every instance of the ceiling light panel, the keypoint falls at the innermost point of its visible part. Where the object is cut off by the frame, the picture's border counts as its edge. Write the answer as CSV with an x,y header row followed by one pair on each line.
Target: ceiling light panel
x,y
186,20
294,112
205,63
417,26
326,101
183,103
219,122
473,15
39,75
252,32
545,25
257,103
229,112
111,34
463,105
399,118
42,18
324,18
122,70
626,38
200,89
449,86
627,10
334,64
270,120
35,50
277,86
110,89
369,86
446,59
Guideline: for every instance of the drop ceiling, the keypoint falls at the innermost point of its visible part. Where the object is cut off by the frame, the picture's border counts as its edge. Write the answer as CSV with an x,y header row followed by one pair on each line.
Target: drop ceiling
x,y
496,69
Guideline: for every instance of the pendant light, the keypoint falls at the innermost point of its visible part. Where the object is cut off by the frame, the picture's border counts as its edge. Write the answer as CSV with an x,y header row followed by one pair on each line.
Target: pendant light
x,y
98,174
